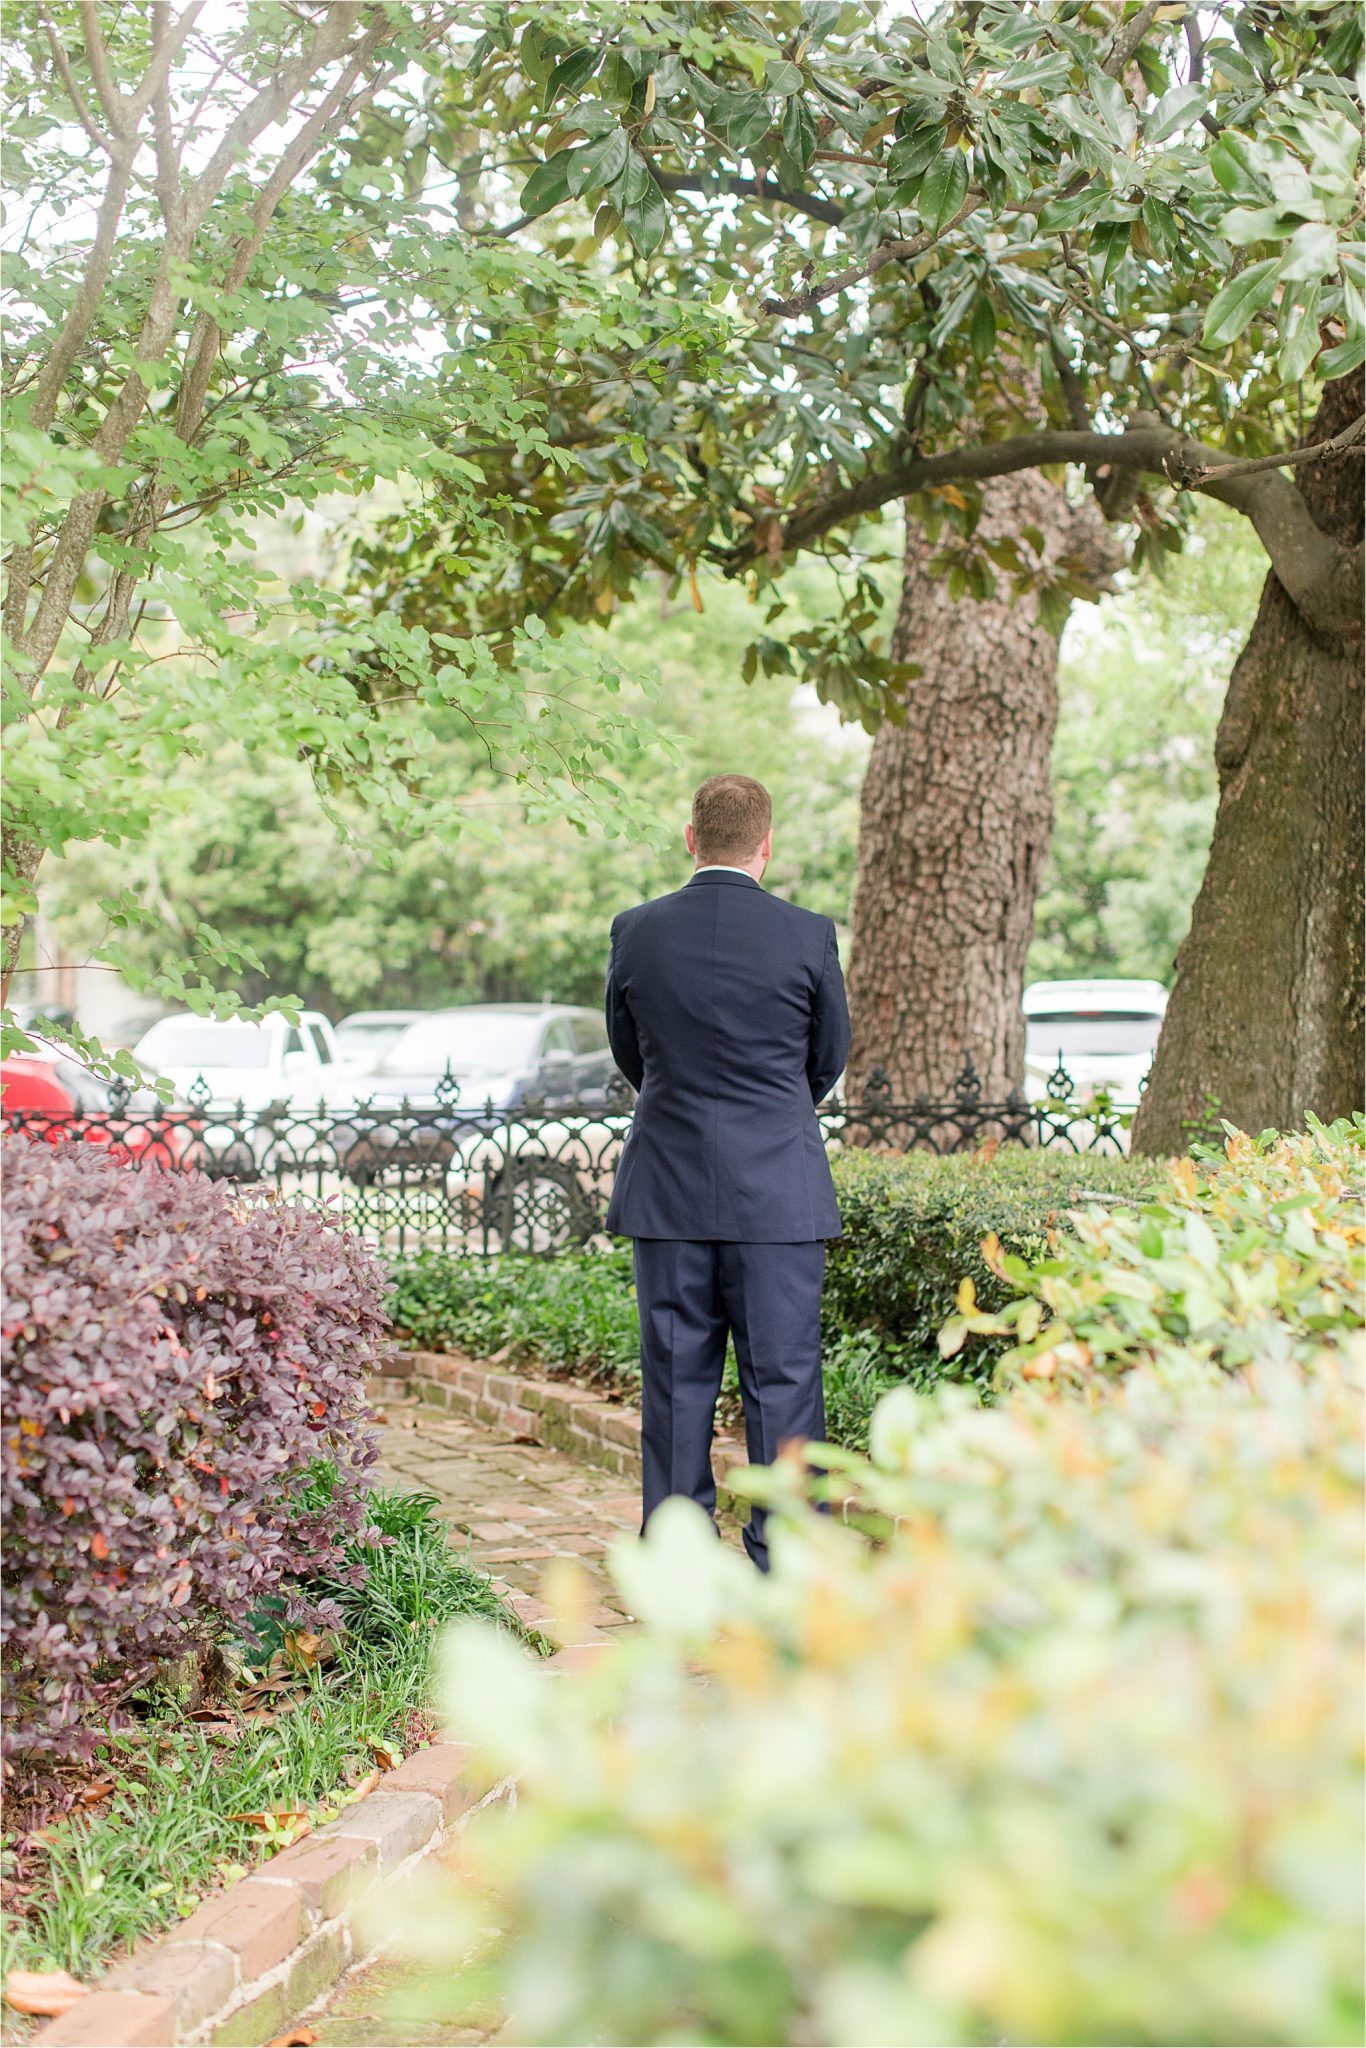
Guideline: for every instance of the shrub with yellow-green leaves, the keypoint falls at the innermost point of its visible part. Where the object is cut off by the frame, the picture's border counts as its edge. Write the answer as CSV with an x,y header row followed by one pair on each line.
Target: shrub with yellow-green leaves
x,y
1259,1256
1053,1735
1071,1754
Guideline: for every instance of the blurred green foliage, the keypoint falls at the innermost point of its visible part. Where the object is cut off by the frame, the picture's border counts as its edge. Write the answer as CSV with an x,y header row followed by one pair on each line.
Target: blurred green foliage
x,y
1069,1753
352,918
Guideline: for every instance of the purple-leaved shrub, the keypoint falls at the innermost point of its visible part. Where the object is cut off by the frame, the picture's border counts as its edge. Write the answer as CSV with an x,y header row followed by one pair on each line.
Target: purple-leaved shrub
x,y
177,1357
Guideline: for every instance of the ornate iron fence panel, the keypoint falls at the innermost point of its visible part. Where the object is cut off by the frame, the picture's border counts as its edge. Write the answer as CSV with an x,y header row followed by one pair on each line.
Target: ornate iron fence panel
x,y
532,1178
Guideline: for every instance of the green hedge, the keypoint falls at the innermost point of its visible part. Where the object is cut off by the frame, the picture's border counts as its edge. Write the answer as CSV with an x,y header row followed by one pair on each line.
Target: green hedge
x,y
913,1232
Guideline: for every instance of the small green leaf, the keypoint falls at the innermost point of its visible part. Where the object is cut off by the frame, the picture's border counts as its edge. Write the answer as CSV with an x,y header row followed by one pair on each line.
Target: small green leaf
x,y
1239,302
1299,334
944,190
782,77
982,329
1176,109
1313,252
547,185
600,164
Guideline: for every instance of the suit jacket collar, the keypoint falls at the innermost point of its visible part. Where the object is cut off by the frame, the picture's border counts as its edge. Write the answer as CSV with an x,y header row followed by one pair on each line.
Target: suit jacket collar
x,y
713,877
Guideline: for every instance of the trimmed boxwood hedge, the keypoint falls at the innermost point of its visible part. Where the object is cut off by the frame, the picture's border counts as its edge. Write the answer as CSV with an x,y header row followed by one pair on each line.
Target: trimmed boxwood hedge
x,y
913,1229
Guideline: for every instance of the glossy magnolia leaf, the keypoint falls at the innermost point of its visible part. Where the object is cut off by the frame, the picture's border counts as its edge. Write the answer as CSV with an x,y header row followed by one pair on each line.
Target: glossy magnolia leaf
x,y
1228,159
1109,244
1237,304
982,331
1346,357
799,132
748,119
644,211
1175,110
1117,116
1041,74
570,73
1246,224
782,77
911,158
944,190
1299,334
600,164
1313,252
547,185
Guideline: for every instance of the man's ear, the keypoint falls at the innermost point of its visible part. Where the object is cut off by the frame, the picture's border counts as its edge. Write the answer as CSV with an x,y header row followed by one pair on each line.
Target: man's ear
x,y
688,836
766,850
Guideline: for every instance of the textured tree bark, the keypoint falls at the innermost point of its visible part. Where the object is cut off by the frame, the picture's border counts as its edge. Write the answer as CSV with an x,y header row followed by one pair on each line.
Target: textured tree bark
x,y
1265,1021
957,816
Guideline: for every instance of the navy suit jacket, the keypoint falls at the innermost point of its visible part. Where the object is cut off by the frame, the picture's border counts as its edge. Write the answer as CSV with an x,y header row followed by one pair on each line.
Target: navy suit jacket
x,y
725,1008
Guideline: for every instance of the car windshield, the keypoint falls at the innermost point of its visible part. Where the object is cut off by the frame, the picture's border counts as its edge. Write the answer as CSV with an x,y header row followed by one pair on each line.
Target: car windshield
x,y
374,1037
206,1045
472,1045
1081,1034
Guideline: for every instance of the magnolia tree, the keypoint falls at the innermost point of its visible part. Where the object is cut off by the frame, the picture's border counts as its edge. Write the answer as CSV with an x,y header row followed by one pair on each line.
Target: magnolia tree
x,y
1038,276
232,304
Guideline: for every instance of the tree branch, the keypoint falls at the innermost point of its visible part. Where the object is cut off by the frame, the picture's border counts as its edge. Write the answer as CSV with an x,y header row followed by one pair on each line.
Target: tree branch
x,y
111,99
752,188
39,643
73,91
1310,452
1315,570
885,253
1127,40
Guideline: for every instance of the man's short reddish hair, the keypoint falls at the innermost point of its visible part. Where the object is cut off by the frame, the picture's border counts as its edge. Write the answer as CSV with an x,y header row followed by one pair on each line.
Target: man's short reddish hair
x,y
730,815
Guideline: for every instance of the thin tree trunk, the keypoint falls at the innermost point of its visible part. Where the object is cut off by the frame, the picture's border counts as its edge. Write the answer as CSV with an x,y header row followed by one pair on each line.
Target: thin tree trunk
x,y
1265,1021
957,814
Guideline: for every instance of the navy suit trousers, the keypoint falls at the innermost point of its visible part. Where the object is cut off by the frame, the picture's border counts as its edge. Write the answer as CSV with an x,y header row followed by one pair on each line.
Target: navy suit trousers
x,y
691,1295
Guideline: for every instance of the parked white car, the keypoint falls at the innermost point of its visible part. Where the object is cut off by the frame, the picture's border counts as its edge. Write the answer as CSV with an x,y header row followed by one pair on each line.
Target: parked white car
x,y
366,1035
1103,1035
270,1065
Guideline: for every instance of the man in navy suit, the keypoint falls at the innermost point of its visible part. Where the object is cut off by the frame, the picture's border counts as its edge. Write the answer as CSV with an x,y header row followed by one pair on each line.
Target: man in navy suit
x,y
726,1009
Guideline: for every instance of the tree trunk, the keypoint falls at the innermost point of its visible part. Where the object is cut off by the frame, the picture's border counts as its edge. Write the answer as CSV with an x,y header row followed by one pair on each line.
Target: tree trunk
x,y
1265,1020
956,819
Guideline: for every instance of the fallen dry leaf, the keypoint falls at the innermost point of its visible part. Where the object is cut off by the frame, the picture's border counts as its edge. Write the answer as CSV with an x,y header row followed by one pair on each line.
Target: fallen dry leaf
x,y
367,1784
92,1794
297,2037
386,1755
45,1994
289,1821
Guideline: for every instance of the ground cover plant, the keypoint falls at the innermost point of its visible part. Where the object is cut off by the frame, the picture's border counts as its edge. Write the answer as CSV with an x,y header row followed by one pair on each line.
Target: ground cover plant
x,y
196,1796
913,1231
1068,1751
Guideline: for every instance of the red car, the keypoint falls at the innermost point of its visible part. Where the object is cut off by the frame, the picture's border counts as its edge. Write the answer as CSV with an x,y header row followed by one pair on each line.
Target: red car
x,y
46,1095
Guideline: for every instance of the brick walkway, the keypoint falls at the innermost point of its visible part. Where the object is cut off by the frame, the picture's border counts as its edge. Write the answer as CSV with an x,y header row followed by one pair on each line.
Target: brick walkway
x,y
518,1505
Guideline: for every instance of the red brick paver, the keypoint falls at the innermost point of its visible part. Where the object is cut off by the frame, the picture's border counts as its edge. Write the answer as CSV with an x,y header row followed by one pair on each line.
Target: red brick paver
x,y
514,1506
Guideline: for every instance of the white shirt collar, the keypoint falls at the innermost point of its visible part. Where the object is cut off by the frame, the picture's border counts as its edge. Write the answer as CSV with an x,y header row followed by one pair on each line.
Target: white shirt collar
x,y
718,867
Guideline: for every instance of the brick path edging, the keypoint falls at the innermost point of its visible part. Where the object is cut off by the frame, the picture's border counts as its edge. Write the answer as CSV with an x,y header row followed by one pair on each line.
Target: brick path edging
x,y
552,1412
255,1956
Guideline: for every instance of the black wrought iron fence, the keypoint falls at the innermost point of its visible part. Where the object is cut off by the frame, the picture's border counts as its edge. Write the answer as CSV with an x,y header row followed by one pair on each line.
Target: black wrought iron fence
x,y
532,1178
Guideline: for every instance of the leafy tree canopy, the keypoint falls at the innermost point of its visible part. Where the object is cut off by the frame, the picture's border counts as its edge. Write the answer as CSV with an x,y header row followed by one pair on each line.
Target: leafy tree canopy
x,y
224,312
1122,244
